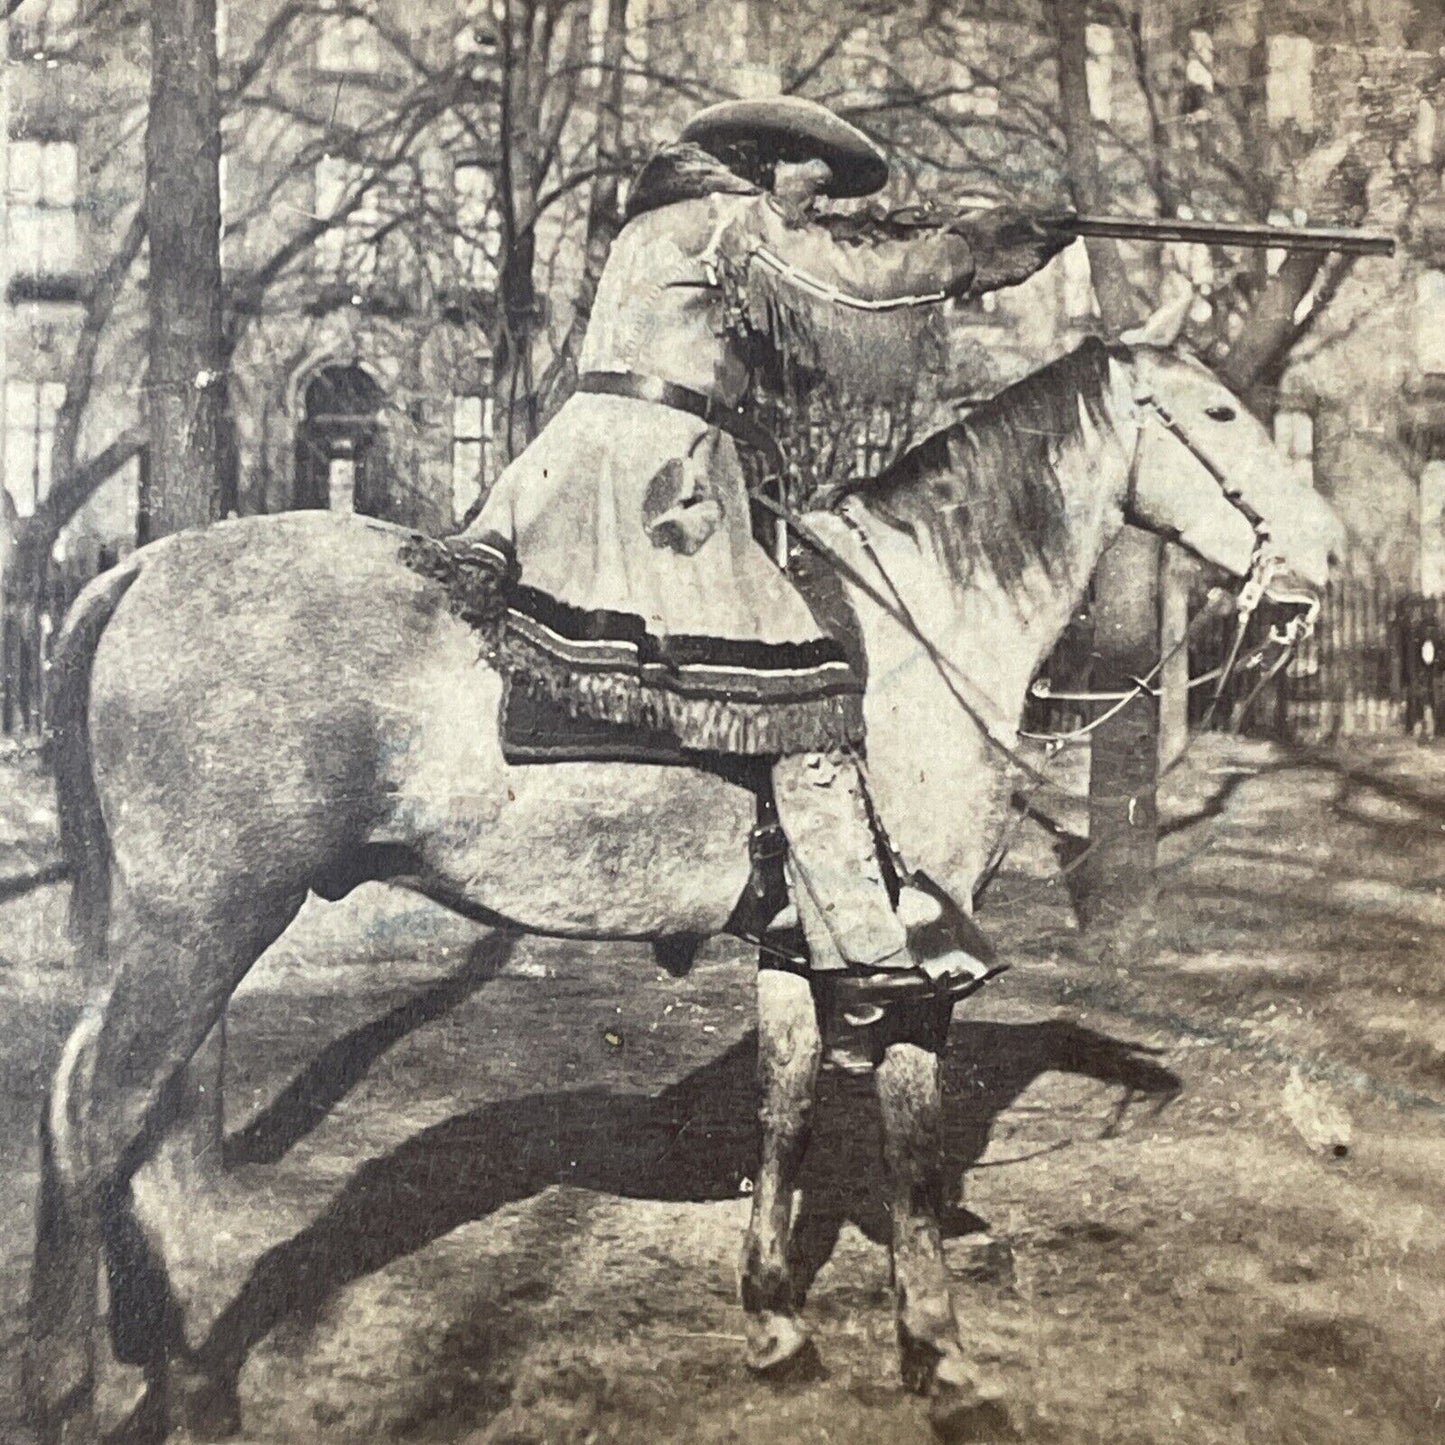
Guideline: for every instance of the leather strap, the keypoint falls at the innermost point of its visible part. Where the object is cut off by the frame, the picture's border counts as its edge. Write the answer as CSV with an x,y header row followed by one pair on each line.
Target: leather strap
x,y
683,398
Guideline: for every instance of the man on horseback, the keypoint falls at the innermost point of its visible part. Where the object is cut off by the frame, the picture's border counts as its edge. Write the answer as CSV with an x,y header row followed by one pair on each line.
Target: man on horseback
x,y
648,599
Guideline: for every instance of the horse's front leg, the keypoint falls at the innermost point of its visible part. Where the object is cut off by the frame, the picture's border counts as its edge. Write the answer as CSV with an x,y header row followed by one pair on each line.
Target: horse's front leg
x,y
789,1048
910,1097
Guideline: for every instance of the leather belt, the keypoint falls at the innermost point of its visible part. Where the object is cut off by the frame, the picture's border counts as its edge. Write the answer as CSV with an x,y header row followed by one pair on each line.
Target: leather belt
x,y
683,398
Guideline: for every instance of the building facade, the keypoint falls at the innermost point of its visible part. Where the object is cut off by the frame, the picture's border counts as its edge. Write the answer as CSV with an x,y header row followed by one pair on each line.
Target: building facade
x,y
364,239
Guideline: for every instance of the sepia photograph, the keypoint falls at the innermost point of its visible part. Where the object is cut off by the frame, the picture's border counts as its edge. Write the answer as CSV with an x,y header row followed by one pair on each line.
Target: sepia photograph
x,y
722,722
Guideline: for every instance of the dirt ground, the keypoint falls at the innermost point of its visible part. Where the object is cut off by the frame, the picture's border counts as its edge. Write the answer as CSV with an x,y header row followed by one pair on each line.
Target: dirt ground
x,y
1199,1200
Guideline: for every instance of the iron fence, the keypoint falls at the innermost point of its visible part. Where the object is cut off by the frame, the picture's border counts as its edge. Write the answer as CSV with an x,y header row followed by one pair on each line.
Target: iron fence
x,y
28,629
1375,664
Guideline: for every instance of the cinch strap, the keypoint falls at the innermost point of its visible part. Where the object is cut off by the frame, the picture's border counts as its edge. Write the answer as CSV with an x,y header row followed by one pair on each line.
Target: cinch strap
x,y
682,398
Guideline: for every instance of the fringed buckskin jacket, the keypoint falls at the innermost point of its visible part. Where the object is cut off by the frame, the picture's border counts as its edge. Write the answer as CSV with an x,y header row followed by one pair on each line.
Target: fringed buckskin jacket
x,y
644,596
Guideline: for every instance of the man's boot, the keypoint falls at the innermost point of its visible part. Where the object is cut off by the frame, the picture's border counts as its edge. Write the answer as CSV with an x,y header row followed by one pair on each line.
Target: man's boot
x,y
834,872
856,939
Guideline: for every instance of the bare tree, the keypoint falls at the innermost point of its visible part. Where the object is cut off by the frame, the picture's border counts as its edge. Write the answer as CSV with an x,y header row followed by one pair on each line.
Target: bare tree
x,y
185,380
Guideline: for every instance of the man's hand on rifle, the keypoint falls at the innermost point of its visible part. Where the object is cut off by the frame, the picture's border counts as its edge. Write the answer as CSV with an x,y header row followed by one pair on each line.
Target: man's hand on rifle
x,y
1008,246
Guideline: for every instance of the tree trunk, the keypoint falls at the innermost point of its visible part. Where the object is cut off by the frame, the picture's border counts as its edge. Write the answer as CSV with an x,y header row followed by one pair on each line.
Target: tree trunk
x,y
603,218
185,392
1174,577
1111,281
1116,891
534,114
1269,330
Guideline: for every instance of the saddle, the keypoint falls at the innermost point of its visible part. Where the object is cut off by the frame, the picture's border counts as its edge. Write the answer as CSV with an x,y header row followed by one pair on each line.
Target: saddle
x,y
537,729
539,726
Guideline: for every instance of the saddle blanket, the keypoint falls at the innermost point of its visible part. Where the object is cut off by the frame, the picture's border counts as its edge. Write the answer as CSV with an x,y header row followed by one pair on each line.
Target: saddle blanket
x,y
600,686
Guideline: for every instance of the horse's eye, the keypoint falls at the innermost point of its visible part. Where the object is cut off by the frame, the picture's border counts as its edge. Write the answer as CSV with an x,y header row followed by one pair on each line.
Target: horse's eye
x,y
1220,413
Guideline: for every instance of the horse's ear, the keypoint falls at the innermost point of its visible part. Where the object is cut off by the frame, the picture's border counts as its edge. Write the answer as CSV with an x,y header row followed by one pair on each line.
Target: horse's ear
x,y
1164,326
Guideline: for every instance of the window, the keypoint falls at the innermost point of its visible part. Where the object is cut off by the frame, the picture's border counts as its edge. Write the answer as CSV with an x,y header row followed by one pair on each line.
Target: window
x,y
41,215
472,432
967,97
1199,66
597,29
348,45
1198,72
1430,323
348,249
880,72
40,28
478,242
639,32
476,39
30,411
1432,529
1099,67
1294,435
1076,282
748,34
1289,80
1427,133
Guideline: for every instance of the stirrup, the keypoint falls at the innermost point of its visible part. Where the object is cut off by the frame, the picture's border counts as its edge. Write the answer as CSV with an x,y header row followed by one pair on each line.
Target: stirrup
x,y
861,988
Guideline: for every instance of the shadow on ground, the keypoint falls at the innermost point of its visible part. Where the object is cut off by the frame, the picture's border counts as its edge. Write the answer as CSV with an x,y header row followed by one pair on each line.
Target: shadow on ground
x,y
692,1142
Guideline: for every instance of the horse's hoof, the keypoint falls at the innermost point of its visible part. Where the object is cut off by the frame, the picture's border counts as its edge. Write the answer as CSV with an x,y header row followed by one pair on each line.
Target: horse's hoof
x,y
206,1407
779,1347
70,1421
963,1411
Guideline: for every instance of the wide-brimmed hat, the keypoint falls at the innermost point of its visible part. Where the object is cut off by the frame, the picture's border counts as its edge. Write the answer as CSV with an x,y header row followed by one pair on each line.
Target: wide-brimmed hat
x,y
789,128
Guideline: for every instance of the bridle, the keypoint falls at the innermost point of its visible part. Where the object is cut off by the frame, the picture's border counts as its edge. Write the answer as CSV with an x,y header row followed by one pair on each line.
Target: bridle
x,y
1261,581
1232,494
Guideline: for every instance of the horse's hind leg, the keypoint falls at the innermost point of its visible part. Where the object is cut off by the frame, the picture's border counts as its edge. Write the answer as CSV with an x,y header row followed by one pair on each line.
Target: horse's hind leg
x,y
910,1098
789,1048
60,1362
110,1105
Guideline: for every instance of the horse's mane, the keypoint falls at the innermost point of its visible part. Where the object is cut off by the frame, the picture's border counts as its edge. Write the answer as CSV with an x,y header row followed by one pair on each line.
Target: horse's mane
x,y
988,488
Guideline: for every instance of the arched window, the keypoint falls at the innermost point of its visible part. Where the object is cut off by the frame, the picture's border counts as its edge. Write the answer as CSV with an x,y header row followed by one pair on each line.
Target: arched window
x,y
1430,323
340,463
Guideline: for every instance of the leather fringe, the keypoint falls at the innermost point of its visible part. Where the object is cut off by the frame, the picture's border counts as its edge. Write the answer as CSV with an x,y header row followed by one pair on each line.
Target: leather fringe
x,y
477,576
873,356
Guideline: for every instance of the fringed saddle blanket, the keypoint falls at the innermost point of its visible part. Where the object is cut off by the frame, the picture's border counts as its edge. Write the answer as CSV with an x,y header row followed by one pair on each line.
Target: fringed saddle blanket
x,y
676,693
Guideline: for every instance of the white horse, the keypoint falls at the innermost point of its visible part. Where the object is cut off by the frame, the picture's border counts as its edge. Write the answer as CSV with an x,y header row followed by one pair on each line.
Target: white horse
x,y
278,705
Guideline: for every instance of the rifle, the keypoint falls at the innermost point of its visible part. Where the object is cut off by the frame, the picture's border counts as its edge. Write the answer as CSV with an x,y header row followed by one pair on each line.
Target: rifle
x,y
1226,233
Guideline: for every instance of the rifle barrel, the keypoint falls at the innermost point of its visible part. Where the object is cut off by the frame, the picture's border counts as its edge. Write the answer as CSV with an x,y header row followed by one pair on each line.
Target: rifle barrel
x,y
1230,233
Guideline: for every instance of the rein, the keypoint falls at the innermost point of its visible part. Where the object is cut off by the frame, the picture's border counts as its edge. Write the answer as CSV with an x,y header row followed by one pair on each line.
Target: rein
x,y
897,609
1258,584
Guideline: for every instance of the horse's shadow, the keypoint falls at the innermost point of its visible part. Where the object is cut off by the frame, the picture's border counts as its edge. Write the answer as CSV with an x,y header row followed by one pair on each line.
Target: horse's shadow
x,y
696,1141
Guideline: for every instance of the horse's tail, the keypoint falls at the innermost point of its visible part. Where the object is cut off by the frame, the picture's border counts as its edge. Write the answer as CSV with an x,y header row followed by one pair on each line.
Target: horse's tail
x,y
84,841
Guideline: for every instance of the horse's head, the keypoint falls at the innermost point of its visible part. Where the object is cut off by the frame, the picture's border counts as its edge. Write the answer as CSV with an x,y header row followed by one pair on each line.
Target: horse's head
x,y
1207,471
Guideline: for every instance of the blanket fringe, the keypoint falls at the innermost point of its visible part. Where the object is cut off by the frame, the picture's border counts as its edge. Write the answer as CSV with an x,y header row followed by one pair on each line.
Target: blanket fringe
x,y
479,577
723,725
